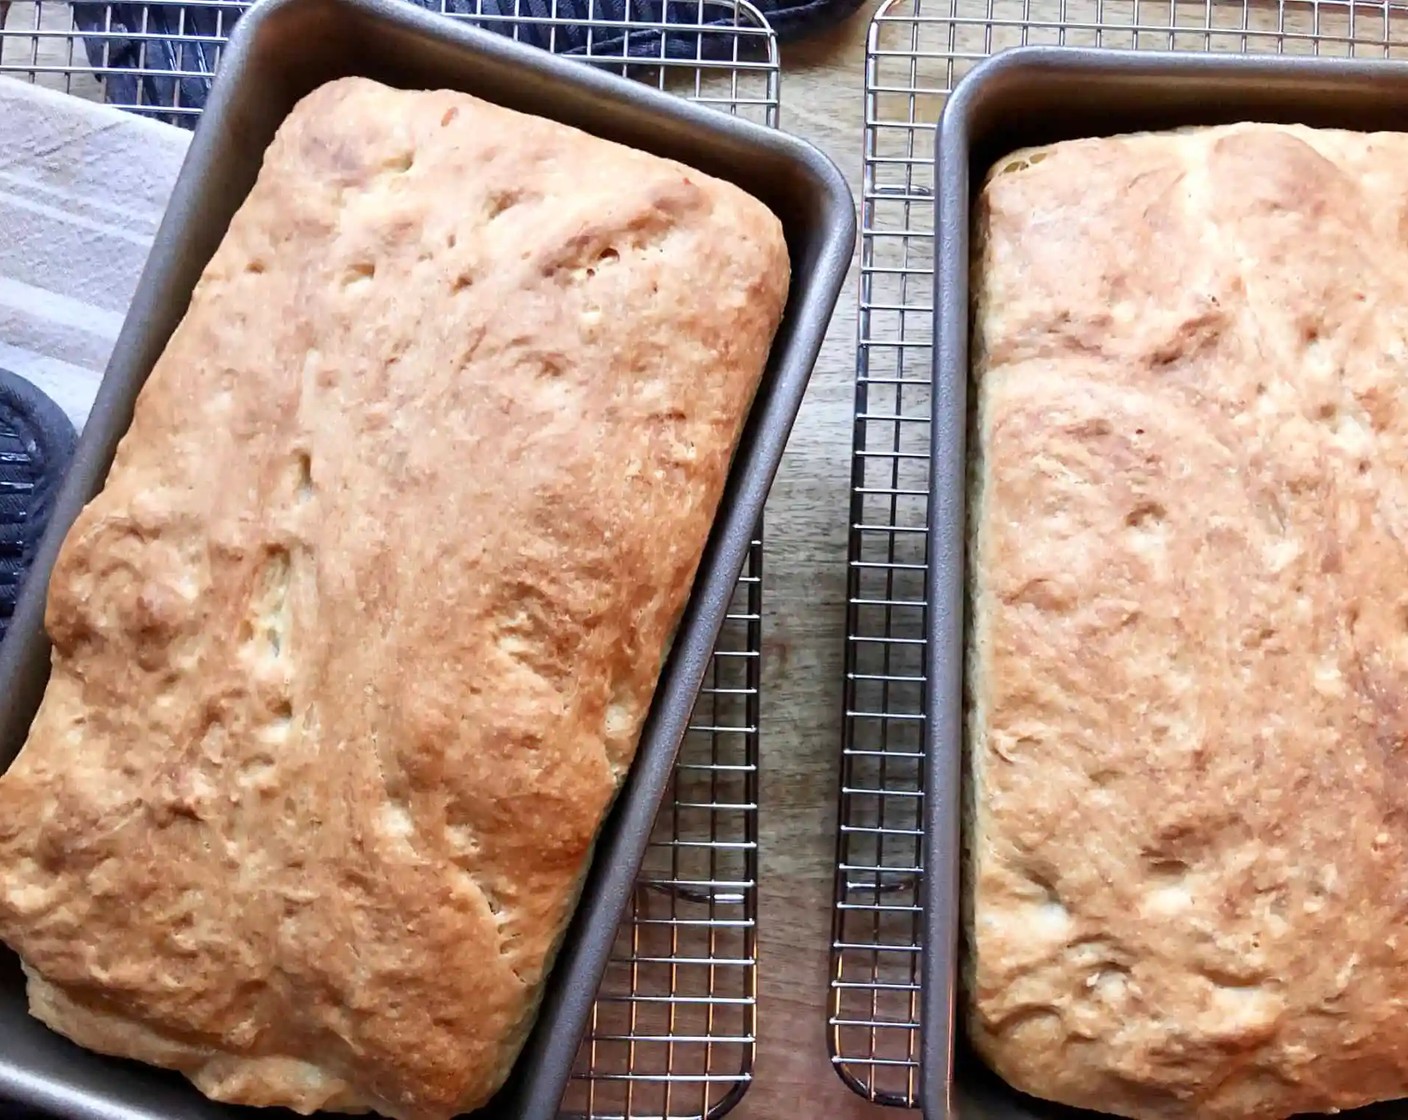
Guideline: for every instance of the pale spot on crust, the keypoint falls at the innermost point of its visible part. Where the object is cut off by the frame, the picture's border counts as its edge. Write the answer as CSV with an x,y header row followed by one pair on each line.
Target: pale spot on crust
x,y
619,717
396,821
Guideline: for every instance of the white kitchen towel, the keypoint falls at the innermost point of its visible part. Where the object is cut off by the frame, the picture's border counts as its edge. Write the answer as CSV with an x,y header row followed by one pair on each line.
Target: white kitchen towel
x,y
82,190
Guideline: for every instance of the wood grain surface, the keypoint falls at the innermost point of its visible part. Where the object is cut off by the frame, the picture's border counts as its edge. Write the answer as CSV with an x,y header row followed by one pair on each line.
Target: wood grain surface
x,y
803,645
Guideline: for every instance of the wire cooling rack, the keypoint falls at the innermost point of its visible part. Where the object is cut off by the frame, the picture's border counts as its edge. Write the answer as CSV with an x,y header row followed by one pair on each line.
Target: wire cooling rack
x,y
916,51
157,58
673,1030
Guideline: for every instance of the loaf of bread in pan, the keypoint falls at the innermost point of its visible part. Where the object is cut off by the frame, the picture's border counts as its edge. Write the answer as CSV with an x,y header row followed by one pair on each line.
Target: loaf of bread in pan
x,y
1186,887
352,652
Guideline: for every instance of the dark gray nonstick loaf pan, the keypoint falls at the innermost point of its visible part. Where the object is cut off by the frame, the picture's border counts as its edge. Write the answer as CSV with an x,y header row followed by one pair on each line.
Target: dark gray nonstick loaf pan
x,y
1028,96
280,51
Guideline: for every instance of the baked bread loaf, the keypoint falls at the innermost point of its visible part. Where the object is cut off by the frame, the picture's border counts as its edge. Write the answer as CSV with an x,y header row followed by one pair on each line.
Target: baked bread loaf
x,y
1188,656
354,649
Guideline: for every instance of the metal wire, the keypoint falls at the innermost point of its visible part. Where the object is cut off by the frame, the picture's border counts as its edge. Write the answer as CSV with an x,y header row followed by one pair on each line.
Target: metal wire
x,y
674,1027
916,51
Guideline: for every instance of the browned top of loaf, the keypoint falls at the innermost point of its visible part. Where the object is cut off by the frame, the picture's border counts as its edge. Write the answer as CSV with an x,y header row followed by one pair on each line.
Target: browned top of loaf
x,y
352,651
1190,739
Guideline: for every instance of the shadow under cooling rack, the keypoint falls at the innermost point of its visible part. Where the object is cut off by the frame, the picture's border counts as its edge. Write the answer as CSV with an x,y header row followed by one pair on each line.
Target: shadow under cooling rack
x,y
916,51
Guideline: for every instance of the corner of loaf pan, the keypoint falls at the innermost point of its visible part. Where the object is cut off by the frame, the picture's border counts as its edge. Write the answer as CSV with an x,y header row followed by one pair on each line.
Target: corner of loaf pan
x,y
281,51
1169,982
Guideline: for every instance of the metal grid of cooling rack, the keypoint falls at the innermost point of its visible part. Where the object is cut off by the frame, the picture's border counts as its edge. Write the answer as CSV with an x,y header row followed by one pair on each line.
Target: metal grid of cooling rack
x,y
916,51
157,57
673,1030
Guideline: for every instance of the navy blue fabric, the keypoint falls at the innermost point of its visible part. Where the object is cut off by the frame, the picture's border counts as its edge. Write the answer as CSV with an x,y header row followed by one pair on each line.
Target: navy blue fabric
x,y
129,30
36,446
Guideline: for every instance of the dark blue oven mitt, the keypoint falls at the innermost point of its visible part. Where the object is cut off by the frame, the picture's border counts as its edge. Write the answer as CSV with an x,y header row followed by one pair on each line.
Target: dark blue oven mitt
x,y
175,71
36,445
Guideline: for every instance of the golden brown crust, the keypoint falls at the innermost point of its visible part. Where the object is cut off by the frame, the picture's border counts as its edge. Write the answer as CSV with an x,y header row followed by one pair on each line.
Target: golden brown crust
x,y
1189,638
355,646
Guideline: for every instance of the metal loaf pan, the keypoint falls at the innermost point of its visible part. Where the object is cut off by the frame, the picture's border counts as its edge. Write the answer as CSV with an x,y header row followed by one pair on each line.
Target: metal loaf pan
x,y
280,51
1021,97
